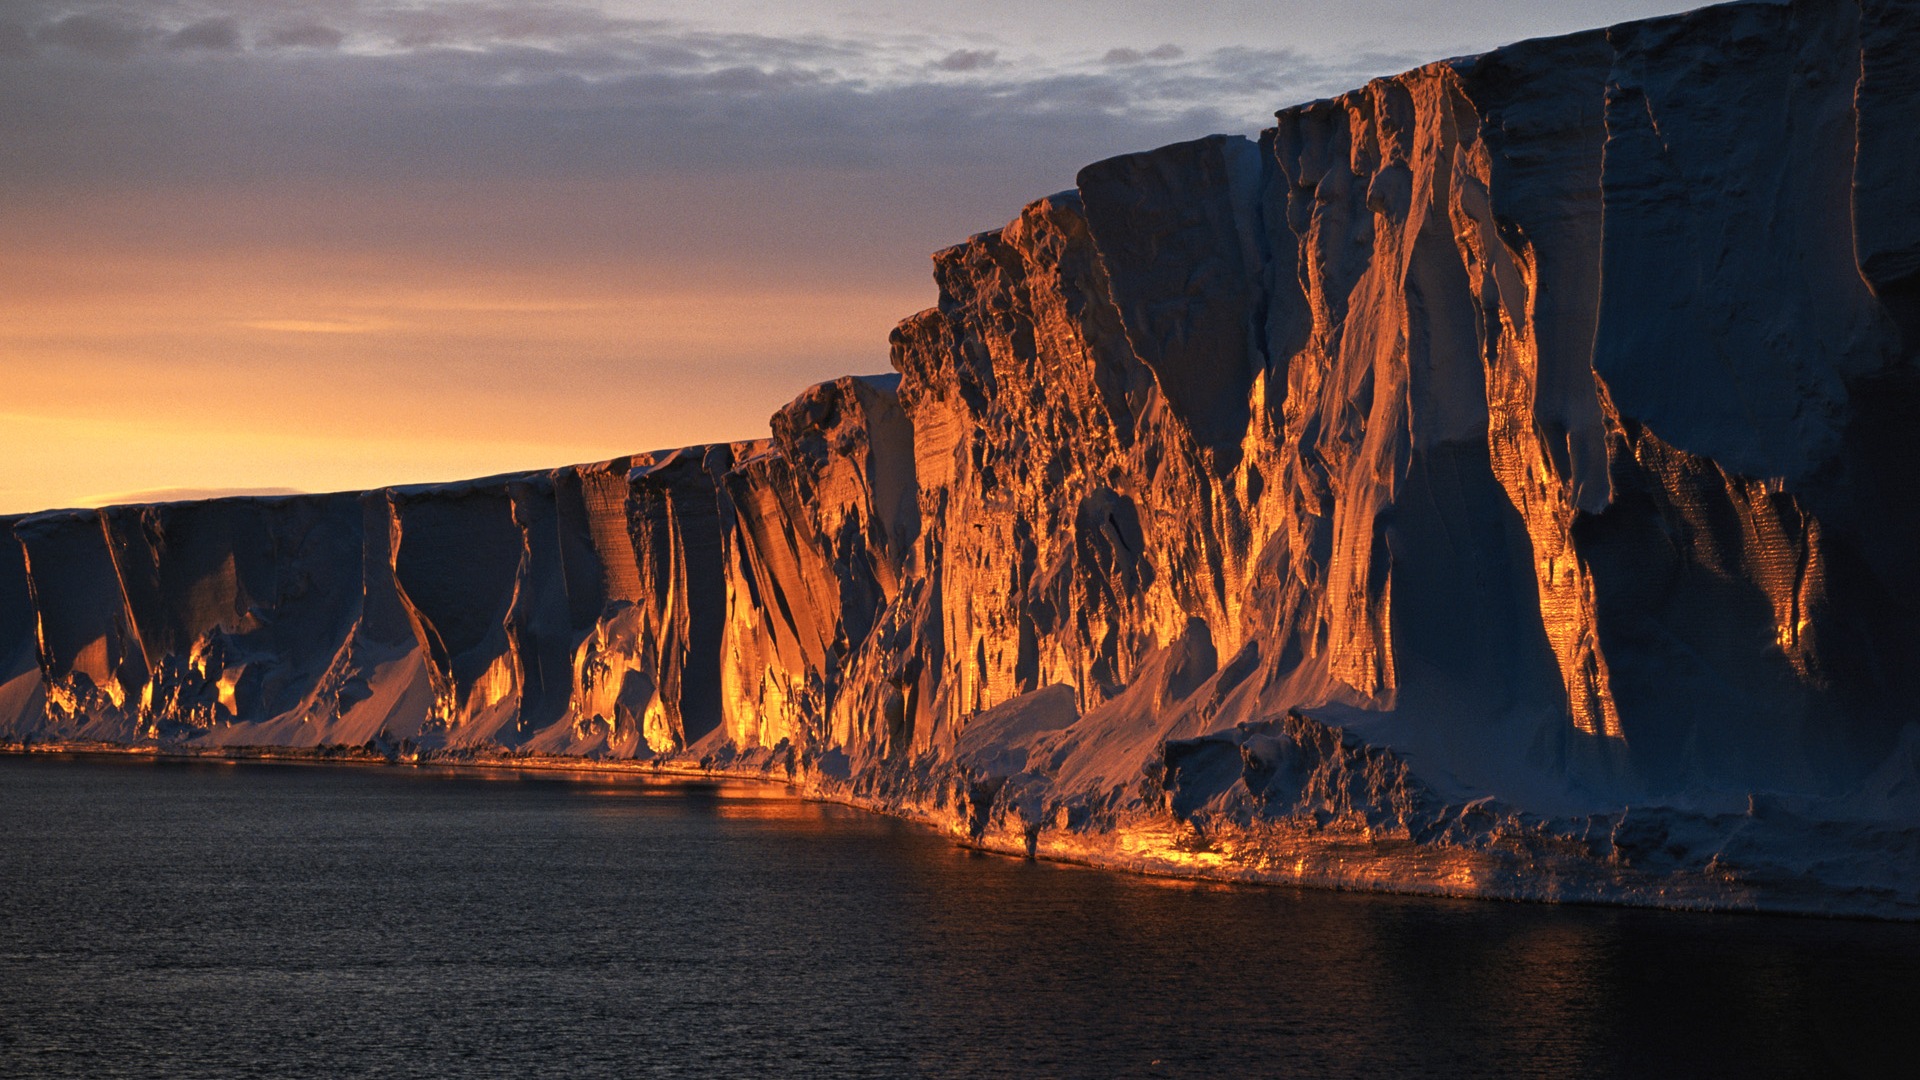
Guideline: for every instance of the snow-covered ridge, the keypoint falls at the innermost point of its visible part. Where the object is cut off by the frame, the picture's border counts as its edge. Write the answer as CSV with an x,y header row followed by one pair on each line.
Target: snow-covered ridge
x,y
1498,480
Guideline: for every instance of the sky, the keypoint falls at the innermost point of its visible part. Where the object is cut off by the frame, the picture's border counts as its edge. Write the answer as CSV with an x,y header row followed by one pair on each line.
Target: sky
x,y
273,245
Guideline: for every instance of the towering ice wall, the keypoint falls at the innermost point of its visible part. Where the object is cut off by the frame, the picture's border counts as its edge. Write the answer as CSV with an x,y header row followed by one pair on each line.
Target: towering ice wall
x,y
1500,479
578,612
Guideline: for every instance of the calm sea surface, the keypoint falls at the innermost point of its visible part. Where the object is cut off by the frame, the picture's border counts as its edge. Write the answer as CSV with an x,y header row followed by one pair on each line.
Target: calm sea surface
x,y
174,919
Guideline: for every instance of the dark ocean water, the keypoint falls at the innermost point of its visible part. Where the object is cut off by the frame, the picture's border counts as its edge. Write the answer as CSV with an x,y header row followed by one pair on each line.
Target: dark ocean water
x,y
173,919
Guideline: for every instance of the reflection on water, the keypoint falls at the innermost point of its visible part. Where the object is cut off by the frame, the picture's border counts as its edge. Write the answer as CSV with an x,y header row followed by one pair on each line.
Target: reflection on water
x,y
194,919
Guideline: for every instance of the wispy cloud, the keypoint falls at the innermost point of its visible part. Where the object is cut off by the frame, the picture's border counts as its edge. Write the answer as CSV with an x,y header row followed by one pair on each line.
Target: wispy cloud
x,y
317,326
114,35
968,60
217,35
299,35
367,92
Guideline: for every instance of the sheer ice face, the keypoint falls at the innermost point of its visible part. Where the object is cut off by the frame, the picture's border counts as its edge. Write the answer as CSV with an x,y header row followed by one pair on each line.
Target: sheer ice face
x,y
1497,480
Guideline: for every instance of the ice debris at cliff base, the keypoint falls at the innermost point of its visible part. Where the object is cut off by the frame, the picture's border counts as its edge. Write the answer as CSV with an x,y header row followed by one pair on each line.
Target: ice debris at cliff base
x,y
1498,480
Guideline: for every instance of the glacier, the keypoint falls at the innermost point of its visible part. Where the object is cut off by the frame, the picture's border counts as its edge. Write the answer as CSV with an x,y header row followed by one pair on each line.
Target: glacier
x,y
1500,480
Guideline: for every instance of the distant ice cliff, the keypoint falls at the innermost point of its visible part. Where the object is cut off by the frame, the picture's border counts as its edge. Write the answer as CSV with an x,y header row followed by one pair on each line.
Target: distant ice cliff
x,y
1503,480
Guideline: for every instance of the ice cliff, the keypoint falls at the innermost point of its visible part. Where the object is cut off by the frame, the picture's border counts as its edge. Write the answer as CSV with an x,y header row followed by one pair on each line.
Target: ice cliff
x,y
1503,479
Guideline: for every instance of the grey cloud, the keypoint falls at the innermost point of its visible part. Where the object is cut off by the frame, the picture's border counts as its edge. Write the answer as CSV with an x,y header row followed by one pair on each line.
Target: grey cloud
x,y
765,49
110,36
746,122
303,36
464,23
218,35
967,60
1169,51
14,40
658,105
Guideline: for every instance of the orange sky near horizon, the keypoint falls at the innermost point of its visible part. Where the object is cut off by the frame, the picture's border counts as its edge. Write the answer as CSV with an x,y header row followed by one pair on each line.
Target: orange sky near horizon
x,y
134,367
